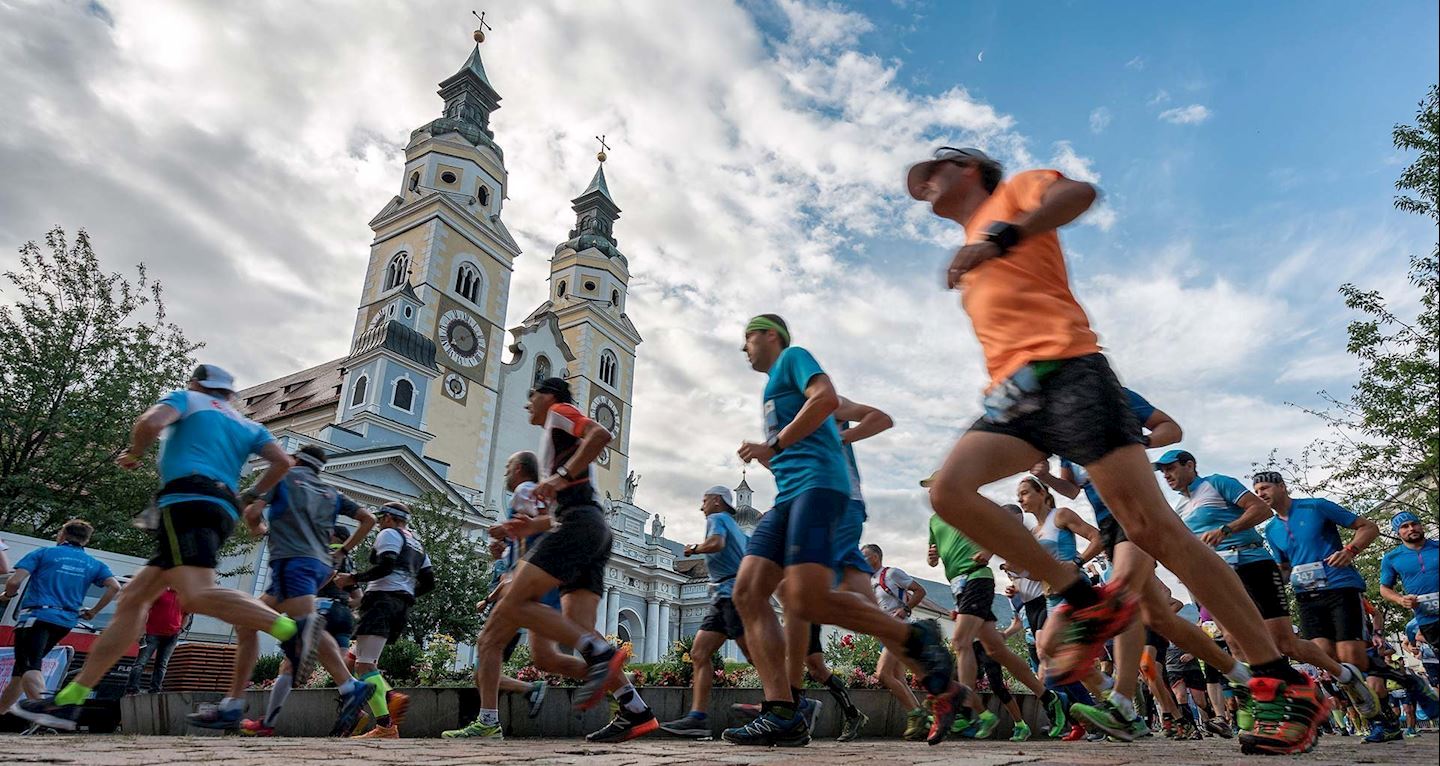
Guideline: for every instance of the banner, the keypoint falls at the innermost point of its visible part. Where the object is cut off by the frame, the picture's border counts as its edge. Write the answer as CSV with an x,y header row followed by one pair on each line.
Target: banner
x,y
52,668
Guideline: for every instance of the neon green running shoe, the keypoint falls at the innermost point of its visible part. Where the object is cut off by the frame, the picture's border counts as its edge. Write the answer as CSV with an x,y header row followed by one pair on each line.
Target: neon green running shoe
x,y
1022,732
985,725
489,732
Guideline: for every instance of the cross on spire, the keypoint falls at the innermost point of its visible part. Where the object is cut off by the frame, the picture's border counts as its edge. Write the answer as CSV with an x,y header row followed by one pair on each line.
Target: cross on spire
x,y
480,30
600,155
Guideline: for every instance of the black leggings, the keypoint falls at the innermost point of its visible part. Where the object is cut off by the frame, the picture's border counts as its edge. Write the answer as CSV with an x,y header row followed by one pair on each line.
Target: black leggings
x,y
994,674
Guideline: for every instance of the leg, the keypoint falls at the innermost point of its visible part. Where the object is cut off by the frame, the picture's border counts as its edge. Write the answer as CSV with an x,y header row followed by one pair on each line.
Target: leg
x,y
967,668
504,623
164,649
892,675
1283,632
995,646
701,652
755,583
142,658
131,607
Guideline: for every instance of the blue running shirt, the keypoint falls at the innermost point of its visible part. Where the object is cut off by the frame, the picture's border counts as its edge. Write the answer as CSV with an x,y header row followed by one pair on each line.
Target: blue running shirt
x,y
1418,570
816,461
211,439
724,564
1143,410
59,577
1213,503
1308,537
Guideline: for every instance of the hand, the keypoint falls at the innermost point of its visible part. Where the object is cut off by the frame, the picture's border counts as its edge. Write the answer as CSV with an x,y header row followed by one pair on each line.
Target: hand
x,y
545,490
87,614
1409,601
1009,589
480,605
520,528
932,556
1340,558
983,557
1186,657
689,550
967,258
900,613
345,580
258,529
497,547
755,451
128,460
1213,538
1041,469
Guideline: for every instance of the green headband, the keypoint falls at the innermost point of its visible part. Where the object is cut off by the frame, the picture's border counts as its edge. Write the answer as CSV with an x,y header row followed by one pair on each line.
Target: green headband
x,y
766,323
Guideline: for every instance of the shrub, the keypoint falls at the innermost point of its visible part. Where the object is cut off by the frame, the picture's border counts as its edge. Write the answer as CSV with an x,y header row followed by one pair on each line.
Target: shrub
x,y
401,661
266,668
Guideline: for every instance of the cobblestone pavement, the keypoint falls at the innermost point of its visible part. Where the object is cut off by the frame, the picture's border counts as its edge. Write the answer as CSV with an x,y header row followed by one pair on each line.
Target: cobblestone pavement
x,y
122,750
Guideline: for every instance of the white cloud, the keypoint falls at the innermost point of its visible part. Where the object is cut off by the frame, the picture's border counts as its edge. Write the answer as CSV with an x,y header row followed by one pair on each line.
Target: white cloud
x,y
1100,119
1193,114
1161,96
1137,63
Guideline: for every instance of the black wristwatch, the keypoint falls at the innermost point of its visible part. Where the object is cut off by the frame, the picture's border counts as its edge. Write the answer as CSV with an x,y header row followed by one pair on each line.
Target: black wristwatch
x,y
1004,235
1226,530
774,445
562,471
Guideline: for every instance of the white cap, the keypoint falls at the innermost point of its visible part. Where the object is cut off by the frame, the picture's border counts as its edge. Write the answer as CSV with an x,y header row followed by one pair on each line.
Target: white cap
x,y
723,492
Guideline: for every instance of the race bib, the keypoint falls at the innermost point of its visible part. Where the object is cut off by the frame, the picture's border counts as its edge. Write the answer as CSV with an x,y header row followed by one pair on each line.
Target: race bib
x,y
1230,556
957,585
1428,604
1308,577
1015,397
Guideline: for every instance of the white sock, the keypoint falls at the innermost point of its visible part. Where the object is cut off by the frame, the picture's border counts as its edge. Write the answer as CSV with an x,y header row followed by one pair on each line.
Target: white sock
x,y
489,717
1346,676
1123,704
348,686
1240,674
278,693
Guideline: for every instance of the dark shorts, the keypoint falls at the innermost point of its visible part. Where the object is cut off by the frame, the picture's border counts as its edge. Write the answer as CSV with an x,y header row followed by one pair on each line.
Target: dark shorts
x,y
576,551
1335,614
1082,413
800,530
977,598
384,613
1431,632
847,539
340,622
191,534
1212,674
33,642
297,576
723,618
1036,611
1161,643
1266,588
1192,676
1111,534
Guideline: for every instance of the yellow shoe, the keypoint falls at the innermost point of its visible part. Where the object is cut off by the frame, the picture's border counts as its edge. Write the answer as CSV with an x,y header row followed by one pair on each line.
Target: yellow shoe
x,y
381,732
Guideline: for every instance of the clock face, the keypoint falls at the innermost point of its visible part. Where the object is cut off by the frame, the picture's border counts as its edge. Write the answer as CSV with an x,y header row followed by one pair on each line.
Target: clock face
x,y
462,339
604,458
455,386
604,412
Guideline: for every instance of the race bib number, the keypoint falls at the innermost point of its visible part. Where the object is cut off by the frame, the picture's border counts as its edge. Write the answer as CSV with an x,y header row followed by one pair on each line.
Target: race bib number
x,y
1308,577
772,420
1230,556
957,585
1015,397
1428,604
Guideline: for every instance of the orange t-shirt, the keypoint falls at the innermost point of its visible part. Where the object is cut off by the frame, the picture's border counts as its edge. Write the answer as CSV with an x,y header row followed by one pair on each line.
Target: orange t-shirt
x,y
1020,303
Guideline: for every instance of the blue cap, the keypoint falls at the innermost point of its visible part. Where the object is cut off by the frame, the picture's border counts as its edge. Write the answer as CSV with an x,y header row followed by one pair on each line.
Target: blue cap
x,y
1402,518
1174,456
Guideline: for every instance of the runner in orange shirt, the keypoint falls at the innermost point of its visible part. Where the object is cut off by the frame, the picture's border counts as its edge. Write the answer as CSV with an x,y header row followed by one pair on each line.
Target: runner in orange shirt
x,y
1053,392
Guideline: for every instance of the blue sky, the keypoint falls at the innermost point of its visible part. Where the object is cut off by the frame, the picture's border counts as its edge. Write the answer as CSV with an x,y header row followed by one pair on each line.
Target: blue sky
x,y
1243,148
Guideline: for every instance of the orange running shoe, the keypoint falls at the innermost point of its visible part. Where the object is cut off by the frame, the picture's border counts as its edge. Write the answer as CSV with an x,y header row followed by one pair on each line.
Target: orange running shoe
x,y
605,674
381,732
1287,717
252,728
398,704
1083,637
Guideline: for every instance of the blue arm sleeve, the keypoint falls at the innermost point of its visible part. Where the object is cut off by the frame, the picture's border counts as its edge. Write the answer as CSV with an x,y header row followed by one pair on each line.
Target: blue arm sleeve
x,y
714,527
1336,513
262,437
102,573
344,506
1275,546
1388,575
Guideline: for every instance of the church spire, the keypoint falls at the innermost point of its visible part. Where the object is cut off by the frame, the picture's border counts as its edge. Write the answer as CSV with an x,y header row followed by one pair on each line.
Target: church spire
x,y
595,213
469,99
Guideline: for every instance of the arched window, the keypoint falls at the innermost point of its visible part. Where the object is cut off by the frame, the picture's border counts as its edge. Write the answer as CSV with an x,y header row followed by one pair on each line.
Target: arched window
x,y
357,392
414,180
483,195
404,396
398,272
608,366
560,291
615,297
467,283
542,368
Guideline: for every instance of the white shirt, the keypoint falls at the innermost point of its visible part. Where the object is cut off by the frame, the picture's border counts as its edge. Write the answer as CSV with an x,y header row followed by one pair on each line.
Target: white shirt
x,y
405,545
890,586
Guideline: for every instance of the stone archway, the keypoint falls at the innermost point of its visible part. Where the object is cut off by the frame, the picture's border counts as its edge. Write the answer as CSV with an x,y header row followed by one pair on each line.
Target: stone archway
x,y
630,626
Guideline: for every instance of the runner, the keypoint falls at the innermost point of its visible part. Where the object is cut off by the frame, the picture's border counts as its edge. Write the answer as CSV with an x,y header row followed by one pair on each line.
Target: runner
x,y
897,593
572,559
399,573
796,541
163,625
59,577
1415,565
1052,392
1304,536
723,548
206,444
300,514
973,586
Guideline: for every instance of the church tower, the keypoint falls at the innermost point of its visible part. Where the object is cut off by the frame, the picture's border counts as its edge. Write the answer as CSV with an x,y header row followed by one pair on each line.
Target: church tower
x,y
441,261
589,281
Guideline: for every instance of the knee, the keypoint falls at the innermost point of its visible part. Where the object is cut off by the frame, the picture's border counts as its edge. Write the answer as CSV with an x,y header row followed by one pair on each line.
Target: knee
x,y
749,600
951,486
992,644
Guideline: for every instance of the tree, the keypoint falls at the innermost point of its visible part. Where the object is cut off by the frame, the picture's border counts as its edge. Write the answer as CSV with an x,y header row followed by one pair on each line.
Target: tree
x,y
462,571
82,353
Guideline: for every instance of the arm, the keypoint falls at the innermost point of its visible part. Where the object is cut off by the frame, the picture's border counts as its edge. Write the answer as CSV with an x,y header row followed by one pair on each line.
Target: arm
x,y
914,595
1064,201
112,589
1163,429
384,565
865,421
1394,597
1064,483
12,585
932,556
821,401
424,581
367,523
712,544
1254,510
145,432
1071,520
279,464
593,439
1015,626
4,561
1365,533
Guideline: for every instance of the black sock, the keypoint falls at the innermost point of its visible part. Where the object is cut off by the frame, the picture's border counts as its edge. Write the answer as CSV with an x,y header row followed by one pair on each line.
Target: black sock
x,y
841,695
1080,594
1278,668
383,720
782,709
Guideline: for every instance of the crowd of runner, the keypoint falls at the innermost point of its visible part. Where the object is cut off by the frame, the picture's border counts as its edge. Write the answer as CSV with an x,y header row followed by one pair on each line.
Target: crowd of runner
x,y
1110,655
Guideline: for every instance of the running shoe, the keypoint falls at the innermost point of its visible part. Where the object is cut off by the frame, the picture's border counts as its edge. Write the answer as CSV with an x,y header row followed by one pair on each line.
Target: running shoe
x,y
748,710
603,675
1104,717
1076,733
44,712
1021,733
1167,726
1219,727
1096,736
1081,640
927,648
380,732
536,698
1055,706
212,716
851,729
810,708
1359,693
625,726
1286,717
301,648
985,725
350,706
398,704
1383,731
363,722
917,725
1411,732
485,732
1184,729
1139,730
688,726
252,728
769,730
943,709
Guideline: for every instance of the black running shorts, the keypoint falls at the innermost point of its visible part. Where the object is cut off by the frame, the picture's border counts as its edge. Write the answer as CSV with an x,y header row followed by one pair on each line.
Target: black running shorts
x,y
33,642
1266,588
576,551
1036,611
977,598
1111,534
384,613
1083,413
723,618
1336,614
191,533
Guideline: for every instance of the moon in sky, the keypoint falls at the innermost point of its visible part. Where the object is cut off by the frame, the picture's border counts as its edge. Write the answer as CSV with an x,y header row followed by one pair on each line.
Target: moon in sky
x,y
980,57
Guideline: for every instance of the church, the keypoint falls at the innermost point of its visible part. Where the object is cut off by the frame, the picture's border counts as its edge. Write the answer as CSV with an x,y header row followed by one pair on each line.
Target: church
x,y
427,399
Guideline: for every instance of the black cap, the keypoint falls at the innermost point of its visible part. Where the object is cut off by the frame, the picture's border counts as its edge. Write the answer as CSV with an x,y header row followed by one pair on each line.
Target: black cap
x,y
557,388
